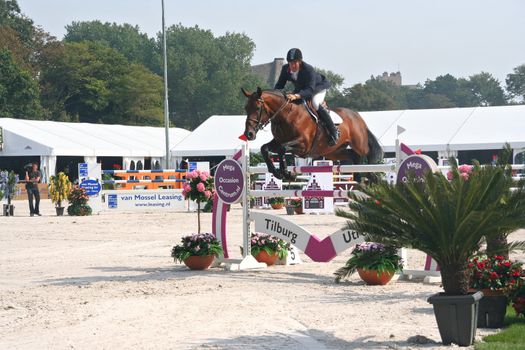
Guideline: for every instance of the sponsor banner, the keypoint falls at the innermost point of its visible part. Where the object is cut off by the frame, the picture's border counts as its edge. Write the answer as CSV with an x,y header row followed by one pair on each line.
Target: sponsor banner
x,y
319,181
144,200
281,228
345,239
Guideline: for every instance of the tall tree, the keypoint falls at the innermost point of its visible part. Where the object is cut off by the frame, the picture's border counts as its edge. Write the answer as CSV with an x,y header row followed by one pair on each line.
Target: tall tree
x,y
18,90
127,39
11,16
486,90
205,73
516,82
94,83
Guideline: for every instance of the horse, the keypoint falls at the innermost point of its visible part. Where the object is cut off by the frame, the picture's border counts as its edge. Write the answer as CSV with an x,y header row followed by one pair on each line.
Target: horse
x,y
295,131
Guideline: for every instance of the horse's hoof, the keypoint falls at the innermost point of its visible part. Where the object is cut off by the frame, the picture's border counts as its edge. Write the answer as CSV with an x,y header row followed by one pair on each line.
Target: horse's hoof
x,y
288,176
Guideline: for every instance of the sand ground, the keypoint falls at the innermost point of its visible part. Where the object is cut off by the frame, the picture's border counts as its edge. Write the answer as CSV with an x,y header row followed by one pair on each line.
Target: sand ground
x,y
108,282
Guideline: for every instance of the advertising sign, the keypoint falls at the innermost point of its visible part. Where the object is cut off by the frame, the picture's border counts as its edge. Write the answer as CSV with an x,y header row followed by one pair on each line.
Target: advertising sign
x,y
145,200
229,181
92,187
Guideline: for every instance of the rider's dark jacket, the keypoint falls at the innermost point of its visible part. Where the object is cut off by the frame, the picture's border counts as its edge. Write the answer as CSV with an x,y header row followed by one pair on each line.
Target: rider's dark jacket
x,y
308,82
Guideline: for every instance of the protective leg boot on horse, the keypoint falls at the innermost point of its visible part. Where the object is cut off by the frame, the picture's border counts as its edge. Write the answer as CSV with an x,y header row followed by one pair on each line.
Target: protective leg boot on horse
x,y
333,132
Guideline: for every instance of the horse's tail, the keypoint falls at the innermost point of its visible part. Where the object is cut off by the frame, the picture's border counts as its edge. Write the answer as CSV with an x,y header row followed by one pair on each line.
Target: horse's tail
x,y
375,152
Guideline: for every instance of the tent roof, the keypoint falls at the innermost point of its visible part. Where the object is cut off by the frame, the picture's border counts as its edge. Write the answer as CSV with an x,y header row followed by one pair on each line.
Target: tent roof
x,y
36,137
219,136
429,129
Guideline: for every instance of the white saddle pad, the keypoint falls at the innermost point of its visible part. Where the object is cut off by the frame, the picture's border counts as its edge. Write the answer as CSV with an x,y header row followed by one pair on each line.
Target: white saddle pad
x,y
336,118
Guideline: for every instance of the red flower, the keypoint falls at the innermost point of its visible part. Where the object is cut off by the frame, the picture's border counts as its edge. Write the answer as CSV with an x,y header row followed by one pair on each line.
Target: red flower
x,y
493,275
498,257
507,263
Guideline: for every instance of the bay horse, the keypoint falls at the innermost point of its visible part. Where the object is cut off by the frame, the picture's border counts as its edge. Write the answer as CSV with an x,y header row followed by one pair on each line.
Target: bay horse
x,y
295,131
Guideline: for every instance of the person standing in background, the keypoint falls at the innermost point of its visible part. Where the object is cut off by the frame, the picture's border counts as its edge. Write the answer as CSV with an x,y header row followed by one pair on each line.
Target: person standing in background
x,y
33,177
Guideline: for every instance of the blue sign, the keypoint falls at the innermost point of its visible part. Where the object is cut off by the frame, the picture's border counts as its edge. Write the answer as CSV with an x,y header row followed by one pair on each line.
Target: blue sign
x,y
112,201
192,166
82,170
92,187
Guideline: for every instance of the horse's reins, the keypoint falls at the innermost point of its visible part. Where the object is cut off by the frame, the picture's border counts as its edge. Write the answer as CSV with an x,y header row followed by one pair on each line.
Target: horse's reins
x,y
260,125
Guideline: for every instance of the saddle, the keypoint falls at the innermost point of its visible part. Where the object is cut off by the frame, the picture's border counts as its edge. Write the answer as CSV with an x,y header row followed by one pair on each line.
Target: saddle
x,y
311,110
313,113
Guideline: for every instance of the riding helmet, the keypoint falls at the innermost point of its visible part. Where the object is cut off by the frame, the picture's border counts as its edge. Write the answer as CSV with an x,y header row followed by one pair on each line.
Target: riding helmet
x,y
294,54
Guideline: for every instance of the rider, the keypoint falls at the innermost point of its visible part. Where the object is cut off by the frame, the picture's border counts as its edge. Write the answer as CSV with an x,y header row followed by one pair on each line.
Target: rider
x,y
309,85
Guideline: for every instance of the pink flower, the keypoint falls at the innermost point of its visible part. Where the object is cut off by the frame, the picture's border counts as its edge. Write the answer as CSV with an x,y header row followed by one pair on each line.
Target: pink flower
x,y
203,177
200,187
207,194
450,175
194,174
464,176
189,175
465,168
187,188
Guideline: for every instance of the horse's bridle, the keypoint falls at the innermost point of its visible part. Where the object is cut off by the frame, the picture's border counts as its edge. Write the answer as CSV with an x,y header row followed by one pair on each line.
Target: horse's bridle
x,y
260,125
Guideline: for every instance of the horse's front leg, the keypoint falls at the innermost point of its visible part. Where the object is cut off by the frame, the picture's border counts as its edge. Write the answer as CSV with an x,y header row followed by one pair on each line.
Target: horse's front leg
x,y
286,175
274,147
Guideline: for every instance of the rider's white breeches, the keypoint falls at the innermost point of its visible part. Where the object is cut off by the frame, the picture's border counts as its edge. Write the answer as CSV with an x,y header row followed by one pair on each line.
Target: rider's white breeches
x,y
318,98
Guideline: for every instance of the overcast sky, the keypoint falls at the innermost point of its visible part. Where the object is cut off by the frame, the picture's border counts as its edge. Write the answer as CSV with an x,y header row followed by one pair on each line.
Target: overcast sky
x,y
420,38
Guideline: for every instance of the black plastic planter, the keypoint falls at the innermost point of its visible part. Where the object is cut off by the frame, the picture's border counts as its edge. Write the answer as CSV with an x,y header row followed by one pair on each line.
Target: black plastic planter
x,y
492,310
456,316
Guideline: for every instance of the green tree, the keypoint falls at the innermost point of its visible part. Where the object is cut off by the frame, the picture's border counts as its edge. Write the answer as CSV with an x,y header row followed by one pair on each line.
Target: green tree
x,y
127,39
18,90
205,73
486,90
456,91
11,16
516,82
93,83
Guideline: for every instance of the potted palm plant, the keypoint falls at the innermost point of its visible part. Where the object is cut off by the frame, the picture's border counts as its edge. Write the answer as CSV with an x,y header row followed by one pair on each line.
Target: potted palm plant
x,y
8,181
447,219
59,189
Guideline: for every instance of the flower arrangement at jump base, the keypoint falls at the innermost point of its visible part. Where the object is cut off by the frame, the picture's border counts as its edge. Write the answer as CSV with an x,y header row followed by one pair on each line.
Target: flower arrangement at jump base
x,y
517,297
297,203
267,248
78,199
375,263
197,251
59,190
497,278
494,274
276,202
198,188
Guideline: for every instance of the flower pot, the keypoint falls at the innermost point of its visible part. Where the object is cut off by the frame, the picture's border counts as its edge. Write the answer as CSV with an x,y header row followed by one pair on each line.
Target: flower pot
x,y
265,258
373,278
492,309
199,262
60,211
456,316
299,210
277,205
519,305
289,210
9,210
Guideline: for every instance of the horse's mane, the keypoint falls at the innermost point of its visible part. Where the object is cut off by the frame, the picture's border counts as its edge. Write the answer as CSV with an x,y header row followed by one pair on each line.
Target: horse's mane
x,y
278,93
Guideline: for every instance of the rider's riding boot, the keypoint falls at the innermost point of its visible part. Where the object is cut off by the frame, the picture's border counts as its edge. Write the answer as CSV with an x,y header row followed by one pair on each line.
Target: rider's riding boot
x,y
333,132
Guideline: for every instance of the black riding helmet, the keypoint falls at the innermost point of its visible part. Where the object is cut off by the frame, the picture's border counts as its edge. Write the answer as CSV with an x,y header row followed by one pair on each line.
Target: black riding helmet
x,y
294,54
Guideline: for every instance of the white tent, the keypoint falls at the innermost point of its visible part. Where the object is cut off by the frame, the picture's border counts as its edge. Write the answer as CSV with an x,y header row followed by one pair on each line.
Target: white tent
x,y
442,130
219,136
49,139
